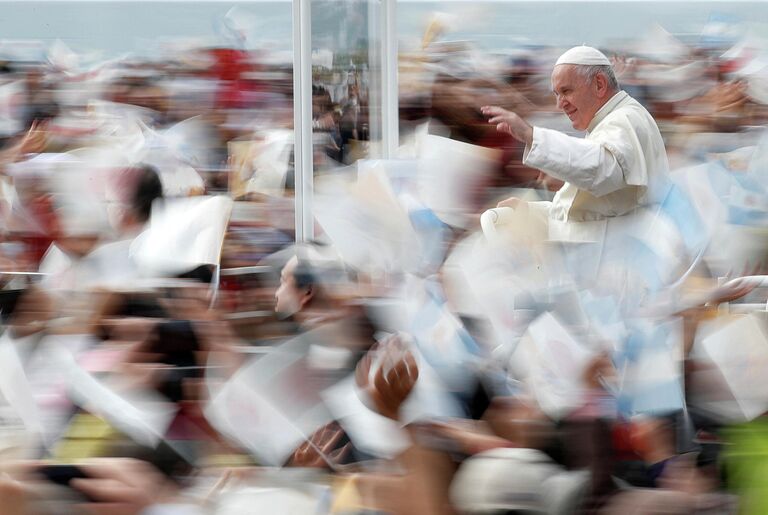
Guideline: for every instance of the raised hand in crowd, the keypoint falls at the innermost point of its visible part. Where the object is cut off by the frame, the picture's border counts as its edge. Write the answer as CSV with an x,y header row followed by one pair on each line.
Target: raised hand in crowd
x,y
319,451
388,389
33,142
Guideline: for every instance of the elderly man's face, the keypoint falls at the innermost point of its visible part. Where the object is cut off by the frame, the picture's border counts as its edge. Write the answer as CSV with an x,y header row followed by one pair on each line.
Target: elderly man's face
x,y
578,98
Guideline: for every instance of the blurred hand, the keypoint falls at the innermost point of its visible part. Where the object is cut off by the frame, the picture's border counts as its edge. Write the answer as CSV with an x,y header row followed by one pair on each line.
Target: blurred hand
x,y
35,139
471,437
622,66
388,389
725,97
32,313
318,451
597,370
731,292
122,486
509,122
730,96
325,122
13,496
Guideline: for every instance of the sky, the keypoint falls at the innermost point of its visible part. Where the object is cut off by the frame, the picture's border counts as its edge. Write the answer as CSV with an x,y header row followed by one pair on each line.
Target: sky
x,y
114,27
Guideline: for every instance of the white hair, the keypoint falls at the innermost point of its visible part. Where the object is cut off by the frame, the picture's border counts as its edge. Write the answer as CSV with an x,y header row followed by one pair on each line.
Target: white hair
x,y
590,71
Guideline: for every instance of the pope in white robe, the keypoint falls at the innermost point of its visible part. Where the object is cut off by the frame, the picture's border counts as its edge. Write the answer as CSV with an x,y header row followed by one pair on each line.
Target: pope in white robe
x,y
619,166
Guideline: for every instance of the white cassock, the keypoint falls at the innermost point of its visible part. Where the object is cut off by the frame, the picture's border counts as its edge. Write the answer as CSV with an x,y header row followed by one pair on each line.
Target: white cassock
x,y
619,166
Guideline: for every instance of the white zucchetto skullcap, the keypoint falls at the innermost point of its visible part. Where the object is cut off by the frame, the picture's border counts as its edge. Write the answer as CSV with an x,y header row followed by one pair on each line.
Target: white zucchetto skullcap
x,y
585,55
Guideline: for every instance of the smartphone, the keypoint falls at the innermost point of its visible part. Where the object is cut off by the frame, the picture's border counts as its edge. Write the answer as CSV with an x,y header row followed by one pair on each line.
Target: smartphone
x,y
63,475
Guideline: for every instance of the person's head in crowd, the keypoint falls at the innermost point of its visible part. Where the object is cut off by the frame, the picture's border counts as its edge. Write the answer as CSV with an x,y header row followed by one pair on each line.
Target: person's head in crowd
x,y
312,281
155,338
296,289
304,282
131,197
321,101
174,345
583,81
127,317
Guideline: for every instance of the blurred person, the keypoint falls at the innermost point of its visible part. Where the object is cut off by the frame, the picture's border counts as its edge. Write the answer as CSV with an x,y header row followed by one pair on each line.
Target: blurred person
x,y
480,471
336,334
455,107
40,103
289,380
80,256
26,317
349,125
322,109
131,197
142,92
25,211
618,167
325,448
32,141
579,447
316,289
150,347
115,486
721,109
229,68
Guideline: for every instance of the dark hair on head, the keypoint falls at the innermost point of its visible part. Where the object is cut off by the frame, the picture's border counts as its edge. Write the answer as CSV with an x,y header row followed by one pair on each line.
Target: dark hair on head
x,y
175,343
308,271
148,188
127,305
304,274
41,112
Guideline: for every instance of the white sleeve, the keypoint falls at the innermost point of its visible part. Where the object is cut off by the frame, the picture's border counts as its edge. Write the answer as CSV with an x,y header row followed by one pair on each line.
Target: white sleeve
x,y
586,164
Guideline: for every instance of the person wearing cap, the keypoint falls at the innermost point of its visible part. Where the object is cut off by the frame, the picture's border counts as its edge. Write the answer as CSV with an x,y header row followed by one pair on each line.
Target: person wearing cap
x,y
621,163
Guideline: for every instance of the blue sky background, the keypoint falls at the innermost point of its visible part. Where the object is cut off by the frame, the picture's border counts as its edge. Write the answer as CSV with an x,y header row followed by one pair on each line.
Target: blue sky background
x,y
116,27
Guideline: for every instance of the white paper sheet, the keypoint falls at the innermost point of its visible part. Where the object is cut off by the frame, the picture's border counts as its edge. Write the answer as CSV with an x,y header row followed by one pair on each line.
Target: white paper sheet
x,y
370,432
557,364
183,233
740,351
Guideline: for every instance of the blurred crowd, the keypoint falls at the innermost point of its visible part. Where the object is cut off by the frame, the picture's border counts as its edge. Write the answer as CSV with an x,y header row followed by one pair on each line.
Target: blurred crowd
x,y
168,348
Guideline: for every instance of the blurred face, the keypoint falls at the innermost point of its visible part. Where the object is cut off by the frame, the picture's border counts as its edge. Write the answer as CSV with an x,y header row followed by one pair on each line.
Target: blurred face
x,y
577,97
289,299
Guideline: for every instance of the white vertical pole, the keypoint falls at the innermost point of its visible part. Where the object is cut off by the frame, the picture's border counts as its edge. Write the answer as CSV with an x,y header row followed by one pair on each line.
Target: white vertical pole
x,y
390,114
302,118
375,69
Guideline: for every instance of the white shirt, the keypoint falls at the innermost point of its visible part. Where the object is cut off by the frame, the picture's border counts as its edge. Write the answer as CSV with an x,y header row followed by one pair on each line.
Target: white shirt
x,y
619,166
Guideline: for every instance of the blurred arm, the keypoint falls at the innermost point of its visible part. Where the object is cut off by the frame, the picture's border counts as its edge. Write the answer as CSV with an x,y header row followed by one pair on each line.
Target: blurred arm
x,y
588,165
